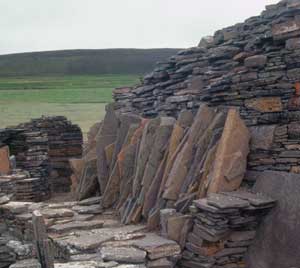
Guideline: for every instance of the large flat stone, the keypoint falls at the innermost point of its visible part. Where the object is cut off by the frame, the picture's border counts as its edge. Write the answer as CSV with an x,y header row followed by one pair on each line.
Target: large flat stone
x,y
76,225
83,241
86,264
129,255
32,263
158,247
57,213
277,241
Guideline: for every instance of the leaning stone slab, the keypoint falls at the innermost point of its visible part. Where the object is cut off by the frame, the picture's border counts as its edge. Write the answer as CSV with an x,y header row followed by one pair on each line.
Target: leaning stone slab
x,y
231,157
279,234
184,158
88,183
106,136
126,121
129,255
4,160
162,136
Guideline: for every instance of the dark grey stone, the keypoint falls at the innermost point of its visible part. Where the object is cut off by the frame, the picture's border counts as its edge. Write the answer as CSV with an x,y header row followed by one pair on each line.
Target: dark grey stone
x,y
277,242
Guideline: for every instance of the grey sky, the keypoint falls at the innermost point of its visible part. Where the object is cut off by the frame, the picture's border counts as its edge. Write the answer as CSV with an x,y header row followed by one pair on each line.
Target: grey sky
x,y
36,25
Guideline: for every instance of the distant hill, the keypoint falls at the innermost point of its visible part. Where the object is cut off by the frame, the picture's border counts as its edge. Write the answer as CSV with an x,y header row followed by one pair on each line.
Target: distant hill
x,y
73,62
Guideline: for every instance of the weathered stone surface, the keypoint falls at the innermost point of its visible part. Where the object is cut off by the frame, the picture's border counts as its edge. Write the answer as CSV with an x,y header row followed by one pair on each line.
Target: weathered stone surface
x,y
86,257
226,202
77,166
175,227
90,201
57,213
257,61
278,235
183,160
126,121
160,263
286,29
91,209
231,156
26,264
146,144
83,241
4,200
126,162
157,247
88,185
76,225
262,137
159,146
123,254
86,264
265,105
106,136
16,207
4,160
292,44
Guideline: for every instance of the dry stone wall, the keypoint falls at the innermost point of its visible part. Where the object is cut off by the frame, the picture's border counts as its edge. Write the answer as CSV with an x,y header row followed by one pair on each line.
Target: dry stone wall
x,y
253,66
43,147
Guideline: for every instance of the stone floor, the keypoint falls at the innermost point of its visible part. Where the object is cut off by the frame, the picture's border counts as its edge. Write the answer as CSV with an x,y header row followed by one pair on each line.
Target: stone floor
x,y
83,236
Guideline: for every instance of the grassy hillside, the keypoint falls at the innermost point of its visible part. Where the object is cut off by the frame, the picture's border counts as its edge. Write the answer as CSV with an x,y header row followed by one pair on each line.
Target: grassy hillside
x,y
83,62
81,98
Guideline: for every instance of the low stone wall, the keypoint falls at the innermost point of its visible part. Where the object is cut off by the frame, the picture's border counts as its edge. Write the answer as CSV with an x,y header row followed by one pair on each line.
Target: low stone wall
x,y
43,147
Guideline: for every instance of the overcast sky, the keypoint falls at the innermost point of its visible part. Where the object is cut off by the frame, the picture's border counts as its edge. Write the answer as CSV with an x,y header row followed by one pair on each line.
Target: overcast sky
x,y
37,25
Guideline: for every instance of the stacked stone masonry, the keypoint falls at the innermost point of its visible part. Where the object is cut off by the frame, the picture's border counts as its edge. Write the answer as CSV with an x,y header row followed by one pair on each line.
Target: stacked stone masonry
x,y
43,147
253,66
186,154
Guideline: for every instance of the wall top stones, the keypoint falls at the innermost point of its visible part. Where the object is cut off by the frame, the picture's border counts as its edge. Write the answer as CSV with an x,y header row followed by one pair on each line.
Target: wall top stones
x,y
254,65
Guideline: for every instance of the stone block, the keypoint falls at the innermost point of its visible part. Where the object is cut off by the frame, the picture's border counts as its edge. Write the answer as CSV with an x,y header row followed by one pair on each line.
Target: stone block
x,y
257,61
265,105
262,137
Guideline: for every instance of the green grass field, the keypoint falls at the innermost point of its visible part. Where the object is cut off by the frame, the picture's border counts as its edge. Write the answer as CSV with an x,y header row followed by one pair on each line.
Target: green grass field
x,y
80,98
